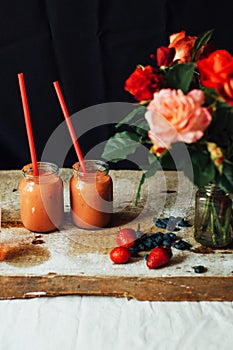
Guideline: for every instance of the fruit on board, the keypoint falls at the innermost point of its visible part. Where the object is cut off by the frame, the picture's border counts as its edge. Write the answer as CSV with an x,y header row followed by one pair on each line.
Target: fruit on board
x,y
120,255
126,237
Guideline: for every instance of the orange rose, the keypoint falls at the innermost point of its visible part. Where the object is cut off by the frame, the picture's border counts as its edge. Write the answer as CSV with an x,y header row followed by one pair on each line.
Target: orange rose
x,y
183,45
216,71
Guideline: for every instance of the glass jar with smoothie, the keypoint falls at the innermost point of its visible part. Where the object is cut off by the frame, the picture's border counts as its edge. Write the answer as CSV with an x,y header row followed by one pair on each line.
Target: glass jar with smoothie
x,y
41,198
91,195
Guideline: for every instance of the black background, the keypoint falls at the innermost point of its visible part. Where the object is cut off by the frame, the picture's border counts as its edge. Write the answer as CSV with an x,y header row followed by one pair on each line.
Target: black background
x,y
91,47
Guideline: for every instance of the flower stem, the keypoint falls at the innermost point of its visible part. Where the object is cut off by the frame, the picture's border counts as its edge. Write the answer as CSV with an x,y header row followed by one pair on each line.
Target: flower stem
x,y
227,222
212,228
205,217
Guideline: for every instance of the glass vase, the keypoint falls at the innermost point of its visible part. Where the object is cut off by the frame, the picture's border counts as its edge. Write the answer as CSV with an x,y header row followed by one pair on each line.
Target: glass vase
x,y
213,217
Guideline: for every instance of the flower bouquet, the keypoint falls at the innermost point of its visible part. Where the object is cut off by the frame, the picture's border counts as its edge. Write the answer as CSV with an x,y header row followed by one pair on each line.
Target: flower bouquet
x,y
185,96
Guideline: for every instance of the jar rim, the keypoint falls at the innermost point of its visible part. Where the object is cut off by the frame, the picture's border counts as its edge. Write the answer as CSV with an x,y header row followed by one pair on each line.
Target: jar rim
x,y
212,187
50,168
92,166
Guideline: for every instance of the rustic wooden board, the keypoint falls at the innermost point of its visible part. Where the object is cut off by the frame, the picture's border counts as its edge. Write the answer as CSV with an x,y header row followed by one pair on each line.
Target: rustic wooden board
x,y
75,261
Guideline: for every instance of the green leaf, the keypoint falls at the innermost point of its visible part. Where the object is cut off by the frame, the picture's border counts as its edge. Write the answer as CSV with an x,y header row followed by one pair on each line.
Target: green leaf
x,y
142,123
137,111
226,179
210,96
204,170
180,76
151,158
201,40
141,127
120,146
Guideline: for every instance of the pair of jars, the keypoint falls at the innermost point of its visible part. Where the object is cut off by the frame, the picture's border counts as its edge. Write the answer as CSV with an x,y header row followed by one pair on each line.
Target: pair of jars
x,y
42,201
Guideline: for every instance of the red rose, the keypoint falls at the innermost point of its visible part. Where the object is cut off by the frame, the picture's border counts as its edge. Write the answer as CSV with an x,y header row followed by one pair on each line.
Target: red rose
x,y
143,82
216,71
165,55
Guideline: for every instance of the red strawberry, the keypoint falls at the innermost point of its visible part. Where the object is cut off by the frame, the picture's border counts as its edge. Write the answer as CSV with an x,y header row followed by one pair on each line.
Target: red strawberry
x,y
120,255
126,237
158,257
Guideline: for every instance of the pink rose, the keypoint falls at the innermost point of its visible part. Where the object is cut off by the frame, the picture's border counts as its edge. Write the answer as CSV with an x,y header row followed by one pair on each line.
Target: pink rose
x,y
173,116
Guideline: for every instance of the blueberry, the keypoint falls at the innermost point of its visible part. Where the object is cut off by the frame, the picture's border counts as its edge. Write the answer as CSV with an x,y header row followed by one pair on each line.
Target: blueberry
x,y
171,223
141,246
143,237
166,243
148,243
152,235
146,256
183,223
158,238
172,236
164,220
161,222
199,269
181,245
155,245
167,238
134,251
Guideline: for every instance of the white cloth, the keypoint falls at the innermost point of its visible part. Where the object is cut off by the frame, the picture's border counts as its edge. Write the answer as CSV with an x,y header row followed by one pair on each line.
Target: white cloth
x,y
94,323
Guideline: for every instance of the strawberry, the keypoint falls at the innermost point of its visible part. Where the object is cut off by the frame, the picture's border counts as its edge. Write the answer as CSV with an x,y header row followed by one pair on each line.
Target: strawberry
x,y
158,257
126,237
120,255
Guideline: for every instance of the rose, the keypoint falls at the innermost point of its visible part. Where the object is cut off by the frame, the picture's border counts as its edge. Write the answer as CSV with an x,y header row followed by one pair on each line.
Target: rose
x,y
190,104
216,71
143,82
183,45
173,116
165,56
180,50
216,155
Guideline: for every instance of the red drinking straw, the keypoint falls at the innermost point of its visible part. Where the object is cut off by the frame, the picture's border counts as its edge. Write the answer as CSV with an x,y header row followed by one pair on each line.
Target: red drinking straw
x,y
28,124
69,124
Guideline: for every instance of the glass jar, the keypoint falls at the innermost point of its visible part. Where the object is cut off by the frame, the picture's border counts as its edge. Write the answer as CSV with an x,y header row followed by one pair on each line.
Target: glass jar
x,y
91,195
213,217
41,198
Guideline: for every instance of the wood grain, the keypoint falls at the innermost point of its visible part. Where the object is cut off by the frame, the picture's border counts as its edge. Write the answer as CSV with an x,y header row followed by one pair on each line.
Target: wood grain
x,y
140,288
72,261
